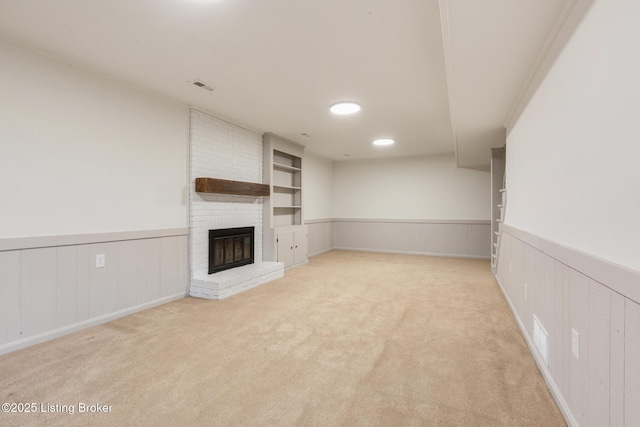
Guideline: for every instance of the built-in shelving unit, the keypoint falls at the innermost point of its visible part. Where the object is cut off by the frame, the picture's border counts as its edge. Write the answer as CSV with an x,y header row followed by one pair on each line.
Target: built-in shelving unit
x,y
498,201
286,181
284,233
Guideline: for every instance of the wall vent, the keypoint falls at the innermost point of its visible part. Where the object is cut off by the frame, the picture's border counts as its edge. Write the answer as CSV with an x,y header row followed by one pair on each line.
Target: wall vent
x,y
541,340
202,85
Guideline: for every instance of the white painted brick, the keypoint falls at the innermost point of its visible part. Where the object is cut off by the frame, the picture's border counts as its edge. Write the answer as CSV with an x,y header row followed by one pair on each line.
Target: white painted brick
x,y
221,150
230,282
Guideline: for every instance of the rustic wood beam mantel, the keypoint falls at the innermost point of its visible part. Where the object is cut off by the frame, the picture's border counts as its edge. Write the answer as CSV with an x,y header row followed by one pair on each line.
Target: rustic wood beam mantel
x,y
224,186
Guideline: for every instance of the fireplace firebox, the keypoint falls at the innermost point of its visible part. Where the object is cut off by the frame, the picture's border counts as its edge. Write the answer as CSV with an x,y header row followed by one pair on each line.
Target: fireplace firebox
x,y
230,248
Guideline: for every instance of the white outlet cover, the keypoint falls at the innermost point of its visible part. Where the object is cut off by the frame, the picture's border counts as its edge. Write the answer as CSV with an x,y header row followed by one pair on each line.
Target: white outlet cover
x,y
101,260
575,343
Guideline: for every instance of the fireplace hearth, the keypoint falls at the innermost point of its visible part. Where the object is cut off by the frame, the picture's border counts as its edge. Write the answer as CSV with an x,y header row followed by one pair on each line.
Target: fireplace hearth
x,y
230,248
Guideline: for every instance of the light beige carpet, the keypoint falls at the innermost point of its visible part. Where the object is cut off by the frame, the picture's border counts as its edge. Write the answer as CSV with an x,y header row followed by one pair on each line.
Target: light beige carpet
x,y
351,339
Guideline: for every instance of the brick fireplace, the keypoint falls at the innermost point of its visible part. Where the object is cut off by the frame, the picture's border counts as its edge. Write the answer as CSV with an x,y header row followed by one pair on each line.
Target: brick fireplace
x,y
222,150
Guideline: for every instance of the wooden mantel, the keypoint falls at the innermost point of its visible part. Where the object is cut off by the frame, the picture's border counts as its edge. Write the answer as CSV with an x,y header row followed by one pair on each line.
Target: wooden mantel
x,y
224,186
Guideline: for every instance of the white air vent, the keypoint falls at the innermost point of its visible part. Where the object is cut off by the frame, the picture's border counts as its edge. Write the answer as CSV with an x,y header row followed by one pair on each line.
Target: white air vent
x,y
202,85
541,340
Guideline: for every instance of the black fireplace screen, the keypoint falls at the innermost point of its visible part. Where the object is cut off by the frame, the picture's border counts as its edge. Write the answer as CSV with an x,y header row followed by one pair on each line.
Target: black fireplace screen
x,y
229,248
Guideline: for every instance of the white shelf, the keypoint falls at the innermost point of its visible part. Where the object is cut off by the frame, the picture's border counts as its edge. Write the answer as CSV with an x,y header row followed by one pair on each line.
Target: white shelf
x,y
287,207
286,167
287,187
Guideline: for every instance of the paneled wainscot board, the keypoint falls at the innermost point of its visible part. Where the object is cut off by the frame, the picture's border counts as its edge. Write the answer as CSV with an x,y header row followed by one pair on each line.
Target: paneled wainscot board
x,y
50,286
594,372
320,234
463,239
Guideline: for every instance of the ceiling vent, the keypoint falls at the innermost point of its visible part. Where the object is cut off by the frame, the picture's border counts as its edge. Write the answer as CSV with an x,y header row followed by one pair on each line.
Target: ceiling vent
x,y
202,85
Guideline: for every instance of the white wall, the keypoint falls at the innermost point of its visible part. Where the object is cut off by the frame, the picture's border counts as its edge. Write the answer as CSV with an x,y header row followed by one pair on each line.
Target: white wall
x,y
427,187
572,157
83,154
317,176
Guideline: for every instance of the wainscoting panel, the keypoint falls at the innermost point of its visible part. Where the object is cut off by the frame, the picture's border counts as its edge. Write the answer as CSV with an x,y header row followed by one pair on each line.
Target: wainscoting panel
x,y
616,383
103,282
83,277
579,320
599,385
599,360
66,279
470,239
320,236
38,296
128,274
632,364
49,291
168,267
152,262
9,296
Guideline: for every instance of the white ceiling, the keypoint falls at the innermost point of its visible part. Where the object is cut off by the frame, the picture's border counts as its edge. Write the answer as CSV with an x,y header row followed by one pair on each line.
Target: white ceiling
x,y
437,76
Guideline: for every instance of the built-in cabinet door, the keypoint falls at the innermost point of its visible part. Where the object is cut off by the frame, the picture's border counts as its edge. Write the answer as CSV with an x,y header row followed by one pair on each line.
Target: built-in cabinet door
x,y
300,246
285,248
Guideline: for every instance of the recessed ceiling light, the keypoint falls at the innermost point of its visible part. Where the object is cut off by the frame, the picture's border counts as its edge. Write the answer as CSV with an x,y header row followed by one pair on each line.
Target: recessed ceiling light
x,y
346,107
383,141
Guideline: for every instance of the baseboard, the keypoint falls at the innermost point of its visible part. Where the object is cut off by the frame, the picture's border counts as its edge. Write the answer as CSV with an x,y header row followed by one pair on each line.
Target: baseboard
x,y
300,264
380,251
553,388
320,253
49,335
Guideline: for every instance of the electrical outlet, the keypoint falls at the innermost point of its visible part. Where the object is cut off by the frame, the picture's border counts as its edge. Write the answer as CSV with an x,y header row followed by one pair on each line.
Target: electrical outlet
x,y
525,291
575,343
101,260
